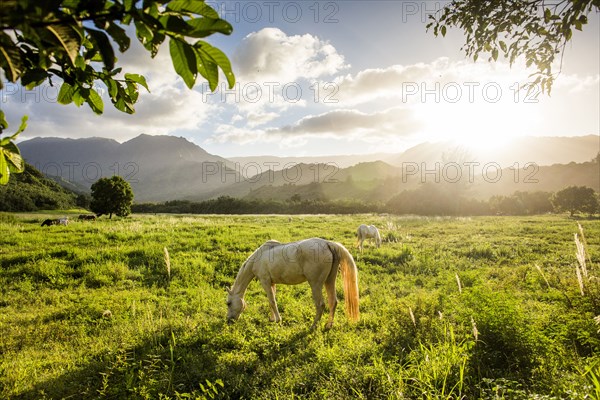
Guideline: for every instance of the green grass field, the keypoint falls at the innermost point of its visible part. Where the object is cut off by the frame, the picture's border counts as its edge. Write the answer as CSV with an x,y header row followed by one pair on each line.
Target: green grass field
x,y
90,311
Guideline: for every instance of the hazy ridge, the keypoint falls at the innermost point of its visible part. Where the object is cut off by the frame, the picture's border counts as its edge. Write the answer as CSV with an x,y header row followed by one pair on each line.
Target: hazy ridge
x,y
165,168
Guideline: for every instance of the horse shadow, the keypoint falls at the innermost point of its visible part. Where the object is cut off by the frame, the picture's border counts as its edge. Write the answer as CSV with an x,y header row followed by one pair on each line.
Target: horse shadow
x,y
126,371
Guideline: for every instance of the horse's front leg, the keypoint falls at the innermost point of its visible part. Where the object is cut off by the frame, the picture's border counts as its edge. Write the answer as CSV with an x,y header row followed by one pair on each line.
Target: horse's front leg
x,y
359,244
270,290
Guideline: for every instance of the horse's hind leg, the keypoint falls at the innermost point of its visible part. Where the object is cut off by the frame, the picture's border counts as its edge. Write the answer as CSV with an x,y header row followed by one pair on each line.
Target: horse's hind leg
x,y
317,294
332,300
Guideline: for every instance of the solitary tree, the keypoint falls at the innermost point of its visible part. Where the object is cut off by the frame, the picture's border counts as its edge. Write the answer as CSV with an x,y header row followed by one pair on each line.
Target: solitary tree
x,y
576,198
111,196
535,29
70,42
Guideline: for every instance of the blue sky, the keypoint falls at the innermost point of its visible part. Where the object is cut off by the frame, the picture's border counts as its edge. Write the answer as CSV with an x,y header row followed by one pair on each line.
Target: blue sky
x,y
337,77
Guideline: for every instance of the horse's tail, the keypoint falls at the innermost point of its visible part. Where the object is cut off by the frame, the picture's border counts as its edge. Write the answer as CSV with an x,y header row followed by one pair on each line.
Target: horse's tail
x,y
350,278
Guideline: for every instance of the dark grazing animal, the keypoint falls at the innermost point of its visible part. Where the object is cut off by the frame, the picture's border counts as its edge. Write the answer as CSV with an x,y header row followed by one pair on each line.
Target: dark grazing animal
x,y
87,217
49,222
59,221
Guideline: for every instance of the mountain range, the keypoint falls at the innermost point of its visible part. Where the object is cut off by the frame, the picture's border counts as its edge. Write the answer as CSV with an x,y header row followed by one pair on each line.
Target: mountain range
x,y
162,168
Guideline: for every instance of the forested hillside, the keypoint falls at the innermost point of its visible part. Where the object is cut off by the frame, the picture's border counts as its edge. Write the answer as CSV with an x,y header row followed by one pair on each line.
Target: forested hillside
x,y
31,191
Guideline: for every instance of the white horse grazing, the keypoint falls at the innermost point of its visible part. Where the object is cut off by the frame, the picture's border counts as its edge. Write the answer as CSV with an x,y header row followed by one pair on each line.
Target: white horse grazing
x,y
314,260
366,232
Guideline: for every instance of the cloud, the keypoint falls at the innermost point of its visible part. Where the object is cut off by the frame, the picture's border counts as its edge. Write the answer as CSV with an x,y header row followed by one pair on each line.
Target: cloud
x,y
270,55
441,81
345,123
272,72
340,124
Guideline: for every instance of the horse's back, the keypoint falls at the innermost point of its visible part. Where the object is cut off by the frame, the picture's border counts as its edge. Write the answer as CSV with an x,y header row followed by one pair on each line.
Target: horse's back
x,y
294,262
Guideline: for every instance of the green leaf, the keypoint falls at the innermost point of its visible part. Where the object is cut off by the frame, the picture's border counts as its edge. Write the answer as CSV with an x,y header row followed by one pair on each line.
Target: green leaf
x,y
568,34
4,171
184,61
194,7
443,30
112,87
123,102
10,157
119,36
68,37
4,142
132,91
502,46
78,99
209,69
202,27
495,53
547,15
100,39
65,94
94,100
128,4
13,157
3,122
144,33
220,59
174,24
137,79
10,58
22,127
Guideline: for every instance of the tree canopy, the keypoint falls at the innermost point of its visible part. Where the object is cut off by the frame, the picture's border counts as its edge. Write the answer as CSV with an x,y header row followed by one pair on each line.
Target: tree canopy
x,y
111,196
73,40
534,29
576,198
71,43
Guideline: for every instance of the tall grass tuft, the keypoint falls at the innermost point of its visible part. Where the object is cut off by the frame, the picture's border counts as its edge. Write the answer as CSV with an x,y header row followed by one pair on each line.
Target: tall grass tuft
x,y
458,283
167,262
580,269
542,274
438,370
584,243
475,331
580,254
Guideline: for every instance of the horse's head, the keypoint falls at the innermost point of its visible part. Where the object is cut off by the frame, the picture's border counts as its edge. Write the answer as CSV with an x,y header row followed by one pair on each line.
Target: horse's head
x,y
235,306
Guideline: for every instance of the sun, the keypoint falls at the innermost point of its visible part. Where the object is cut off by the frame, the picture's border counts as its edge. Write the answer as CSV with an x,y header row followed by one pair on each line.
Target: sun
x,y
480,127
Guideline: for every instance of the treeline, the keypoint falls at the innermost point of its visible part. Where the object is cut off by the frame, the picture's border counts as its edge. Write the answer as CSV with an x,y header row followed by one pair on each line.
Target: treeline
x,y
432,199
426,200
231,205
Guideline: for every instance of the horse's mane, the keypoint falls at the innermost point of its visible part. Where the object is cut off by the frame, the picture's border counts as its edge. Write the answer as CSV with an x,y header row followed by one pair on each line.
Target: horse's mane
x,y
271,243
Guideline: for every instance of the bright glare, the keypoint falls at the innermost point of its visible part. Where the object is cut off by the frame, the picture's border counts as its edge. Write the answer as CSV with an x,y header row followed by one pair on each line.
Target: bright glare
x,y
481,127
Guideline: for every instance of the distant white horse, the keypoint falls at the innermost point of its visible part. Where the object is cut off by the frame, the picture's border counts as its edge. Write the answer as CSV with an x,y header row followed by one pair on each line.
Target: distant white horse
x,y
314,260
366,232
